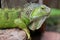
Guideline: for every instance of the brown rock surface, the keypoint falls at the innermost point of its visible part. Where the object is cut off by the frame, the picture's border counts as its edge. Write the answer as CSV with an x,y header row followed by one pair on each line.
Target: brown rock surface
x,y
51,36
12,34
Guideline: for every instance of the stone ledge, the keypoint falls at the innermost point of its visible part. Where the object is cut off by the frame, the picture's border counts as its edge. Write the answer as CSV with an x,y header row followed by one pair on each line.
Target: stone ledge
x,y
12,34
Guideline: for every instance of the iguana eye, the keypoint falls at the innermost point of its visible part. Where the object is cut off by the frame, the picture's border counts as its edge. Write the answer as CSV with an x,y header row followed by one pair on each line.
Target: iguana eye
x,y
43,7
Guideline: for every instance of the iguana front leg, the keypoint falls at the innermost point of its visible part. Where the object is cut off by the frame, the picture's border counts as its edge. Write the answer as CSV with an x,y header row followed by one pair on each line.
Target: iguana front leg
x,y
22,26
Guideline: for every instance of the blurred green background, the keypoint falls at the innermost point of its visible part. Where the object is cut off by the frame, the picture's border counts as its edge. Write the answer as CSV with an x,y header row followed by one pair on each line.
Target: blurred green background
x,y
53,22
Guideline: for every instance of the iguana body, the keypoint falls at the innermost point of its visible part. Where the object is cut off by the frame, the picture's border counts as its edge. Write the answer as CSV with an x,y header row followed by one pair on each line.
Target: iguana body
x,y
11,18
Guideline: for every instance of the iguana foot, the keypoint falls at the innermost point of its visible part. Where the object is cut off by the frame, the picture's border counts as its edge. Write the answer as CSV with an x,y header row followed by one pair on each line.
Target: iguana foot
x,y
28,34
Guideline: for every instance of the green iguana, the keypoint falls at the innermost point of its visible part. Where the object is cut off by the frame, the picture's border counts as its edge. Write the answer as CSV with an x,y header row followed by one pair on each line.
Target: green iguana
x,y
11,18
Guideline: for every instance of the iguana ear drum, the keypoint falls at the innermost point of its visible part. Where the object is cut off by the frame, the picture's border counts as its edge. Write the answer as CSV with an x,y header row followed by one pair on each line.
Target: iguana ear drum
x,y
6,15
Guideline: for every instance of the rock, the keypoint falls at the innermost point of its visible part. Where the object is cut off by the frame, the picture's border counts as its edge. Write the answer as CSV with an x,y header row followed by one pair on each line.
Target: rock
x,y
51,36
12,34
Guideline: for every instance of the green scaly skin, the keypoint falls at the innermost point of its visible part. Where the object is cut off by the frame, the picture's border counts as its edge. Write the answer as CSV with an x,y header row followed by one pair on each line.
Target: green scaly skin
x,y
10,18
37,14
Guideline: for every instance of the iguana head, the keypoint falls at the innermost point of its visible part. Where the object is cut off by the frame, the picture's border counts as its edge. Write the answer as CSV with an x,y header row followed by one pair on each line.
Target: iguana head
x,y
38,16
40,11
